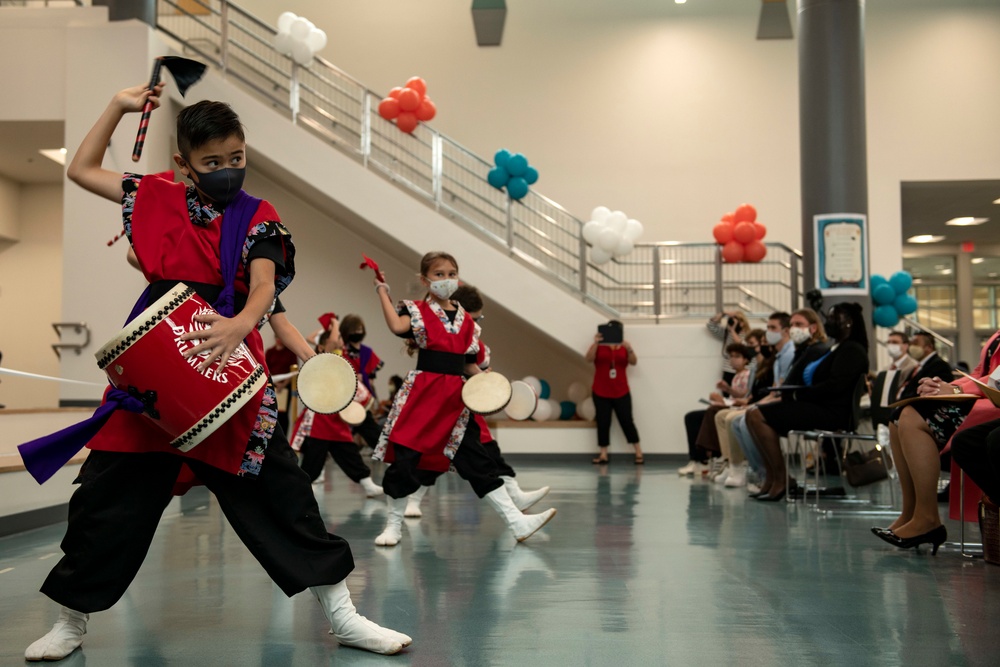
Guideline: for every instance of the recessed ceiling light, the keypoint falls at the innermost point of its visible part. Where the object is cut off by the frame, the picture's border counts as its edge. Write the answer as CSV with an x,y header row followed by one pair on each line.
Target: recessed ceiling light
x,y
992,275
940,266
925,238
55,154
978,260
966,221
997,200
946,272
679,2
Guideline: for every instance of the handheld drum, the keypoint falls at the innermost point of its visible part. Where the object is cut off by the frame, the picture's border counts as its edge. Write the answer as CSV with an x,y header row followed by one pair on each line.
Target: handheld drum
x,y
523,401
354,414
145,359
486,393
327,383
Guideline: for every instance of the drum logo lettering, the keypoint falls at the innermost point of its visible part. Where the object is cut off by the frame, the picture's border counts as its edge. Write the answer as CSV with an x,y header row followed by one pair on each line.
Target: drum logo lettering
x,y
240,361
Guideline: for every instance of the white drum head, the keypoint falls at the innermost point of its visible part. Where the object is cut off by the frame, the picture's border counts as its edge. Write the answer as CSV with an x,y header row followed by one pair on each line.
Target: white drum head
x,y
523,401
327,383
486,393
354,413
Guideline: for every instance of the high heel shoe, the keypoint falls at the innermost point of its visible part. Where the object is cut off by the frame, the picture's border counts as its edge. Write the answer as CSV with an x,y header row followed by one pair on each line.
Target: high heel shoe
x,y
768,498
935,537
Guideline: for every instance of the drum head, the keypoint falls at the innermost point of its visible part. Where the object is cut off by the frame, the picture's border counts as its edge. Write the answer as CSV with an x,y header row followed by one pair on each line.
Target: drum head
x,y
354,413
486,393
523,401
327,383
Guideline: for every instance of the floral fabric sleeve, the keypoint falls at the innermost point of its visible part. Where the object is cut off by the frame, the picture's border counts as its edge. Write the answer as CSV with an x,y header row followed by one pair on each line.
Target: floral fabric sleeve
x,y
130,186
272,232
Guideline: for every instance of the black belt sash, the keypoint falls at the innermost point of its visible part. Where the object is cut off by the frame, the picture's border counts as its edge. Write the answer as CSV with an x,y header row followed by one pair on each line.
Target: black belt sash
x,y
435,361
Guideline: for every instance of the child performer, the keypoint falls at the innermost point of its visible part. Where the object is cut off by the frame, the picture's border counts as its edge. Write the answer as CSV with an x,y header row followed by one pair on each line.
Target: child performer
x,y
232,249
317,435
469,298
366,364
428,426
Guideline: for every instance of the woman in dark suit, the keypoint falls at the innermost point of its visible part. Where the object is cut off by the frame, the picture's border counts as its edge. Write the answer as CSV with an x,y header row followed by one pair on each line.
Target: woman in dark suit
x,y
825,401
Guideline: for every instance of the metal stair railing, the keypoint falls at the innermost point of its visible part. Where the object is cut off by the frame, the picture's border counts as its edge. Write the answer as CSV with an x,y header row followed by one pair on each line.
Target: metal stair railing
x,y
656,281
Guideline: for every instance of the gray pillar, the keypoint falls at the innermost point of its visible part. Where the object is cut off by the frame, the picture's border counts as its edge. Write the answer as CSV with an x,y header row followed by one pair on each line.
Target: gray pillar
x,y
966,342
831,119
123,10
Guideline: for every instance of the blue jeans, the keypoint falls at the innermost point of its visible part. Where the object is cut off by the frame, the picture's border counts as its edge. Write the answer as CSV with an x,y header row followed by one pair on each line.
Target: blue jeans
x,y
746,443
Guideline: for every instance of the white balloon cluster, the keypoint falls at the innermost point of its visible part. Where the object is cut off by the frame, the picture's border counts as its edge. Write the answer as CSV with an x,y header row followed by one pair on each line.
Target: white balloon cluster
x,y
299,38
611,233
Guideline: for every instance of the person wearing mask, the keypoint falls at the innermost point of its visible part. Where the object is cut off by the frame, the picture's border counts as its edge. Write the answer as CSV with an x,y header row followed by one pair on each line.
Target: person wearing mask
x,y
898,346
928,364
821,396
777,338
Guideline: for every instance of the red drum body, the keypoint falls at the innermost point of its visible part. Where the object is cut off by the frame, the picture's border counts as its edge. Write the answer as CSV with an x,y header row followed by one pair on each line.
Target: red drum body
x,y
146,360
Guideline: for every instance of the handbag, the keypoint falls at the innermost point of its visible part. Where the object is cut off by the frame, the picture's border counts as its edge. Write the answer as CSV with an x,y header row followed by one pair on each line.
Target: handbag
x,y
863,468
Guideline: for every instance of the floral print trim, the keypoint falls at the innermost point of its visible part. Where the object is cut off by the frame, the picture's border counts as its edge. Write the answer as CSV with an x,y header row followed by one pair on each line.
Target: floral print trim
x,y
268,230
416,323
390,420
302,429
260,437
449,326
457,434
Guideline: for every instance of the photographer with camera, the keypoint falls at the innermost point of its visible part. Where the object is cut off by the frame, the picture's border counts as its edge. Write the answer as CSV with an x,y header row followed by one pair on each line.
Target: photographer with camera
x,y
611,355
729,327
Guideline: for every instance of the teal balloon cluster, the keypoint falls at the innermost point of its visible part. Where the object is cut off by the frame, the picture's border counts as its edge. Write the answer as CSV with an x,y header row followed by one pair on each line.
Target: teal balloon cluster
x,y
513,172
891,298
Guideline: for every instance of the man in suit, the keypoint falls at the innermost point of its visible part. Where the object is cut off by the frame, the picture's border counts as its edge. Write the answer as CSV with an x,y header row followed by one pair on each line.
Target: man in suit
x,y
929,364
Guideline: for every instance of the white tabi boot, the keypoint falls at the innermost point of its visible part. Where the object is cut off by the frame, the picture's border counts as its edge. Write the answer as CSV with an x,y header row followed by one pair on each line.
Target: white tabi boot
x,y
522,525
371,488
413,503
352,629
64,637
522,499
393,532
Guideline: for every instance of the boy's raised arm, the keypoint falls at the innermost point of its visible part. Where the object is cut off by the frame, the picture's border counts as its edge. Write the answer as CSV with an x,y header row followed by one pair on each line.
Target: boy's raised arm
x,y
86,169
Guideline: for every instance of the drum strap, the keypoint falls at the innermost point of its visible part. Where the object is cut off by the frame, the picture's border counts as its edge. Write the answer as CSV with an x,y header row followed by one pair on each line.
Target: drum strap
x,y
436,361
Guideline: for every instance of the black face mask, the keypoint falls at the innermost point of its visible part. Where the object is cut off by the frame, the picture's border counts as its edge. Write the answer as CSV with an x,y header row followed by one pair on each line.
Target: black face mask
x,y
834,329
356,337
766,351
221,185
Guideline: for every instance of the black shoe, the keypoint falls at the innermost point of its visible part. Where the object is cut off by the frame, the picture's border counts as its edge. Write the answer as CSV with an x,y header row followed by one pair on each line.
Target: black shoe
x,y
935,537
601,461
879,531
767,498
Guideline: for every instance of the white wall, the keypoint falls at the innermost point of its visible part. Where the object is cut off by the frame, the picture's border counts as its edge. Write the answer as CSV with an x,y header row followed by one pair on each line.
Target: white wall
x,y
30,278
675,113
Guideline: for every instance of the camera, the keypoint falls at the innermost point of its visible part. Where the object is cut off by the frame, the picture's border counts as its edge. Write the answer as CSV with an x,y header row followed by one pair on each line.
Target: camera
x,y
734,323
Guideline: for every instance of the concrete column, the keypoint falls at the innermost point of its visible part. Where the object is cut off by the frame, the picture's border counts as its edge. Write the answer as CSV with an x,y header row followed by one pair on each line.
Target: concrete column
x,y
966,342
832,139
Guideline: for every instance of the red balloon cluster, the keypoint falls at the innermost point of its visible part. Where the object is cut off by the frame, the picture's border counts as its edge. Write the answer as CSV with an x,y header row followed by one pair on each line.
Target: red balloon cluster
x,y
741,236
408,105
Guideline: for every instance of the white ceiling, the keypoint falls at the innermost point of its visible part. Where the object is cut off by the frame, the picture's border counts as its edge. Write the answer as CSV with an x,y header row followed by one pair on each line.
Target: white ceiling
x,y
20,142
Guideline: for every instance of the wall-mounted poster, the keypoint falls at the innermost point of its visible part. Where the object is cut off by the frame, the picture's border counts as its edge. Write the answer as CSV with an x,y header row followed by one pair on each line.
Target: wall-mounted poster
x,y
841,241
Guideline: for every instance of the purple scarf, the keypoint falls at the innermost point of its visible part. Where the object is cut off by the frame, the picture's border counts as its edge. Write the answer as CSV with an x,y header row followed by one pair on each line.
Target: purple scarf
x,y
44,456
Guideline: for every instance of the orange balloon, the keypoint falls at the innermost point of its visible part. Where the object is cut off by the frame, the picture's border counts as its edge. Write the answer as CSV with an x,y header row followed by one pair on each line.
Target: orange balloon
x,y
729,217
732,252
743,232
388,108
417,84
407,121
409,100
426,111
394,93
760,230
754,251
745,213
723,233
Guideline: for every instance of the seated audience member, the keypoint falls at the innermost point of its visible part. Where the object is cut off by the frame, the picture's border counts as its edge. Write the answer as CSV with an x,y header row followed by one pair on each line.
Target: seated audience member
x,y
976,450
729,327
929,364
807,340
897,345
777,338
702,441
918,433
740,392
824,400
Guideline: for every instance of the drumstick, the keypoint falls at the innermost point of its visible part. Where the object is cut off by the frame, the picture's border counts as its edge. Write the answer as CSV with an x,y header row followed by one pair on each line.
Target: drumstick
x,y
147,110
115,239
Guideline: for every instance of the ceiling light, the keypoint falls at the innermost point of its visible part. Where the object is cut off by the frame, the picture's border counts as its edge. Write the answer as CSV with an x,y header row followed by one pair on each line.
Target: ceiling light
x,y
946,272
997,200
925,238
978,260
55,154
992,275
966,221
679,2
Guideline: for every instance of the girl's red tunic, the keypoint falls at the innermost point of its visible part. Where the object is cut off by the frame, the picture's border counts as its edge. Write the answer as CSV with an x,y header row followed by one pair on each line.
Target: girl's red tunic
x,y
428,414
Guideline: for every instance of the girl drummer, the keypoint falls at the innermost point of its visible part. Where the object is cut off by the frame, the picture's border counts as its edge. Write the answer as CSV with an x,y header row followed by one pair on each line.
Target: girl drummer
x,y
428,426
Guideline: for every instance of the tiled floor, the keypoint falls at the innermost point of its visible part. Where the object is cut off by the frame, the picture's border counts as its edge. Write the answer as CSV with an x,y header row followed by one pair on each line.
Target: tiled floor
x,y
640,567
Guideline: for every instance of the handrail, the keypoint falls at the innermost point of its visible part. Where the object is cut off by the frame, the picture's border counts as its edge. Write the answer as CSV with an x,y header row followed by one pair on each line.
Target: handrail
x,y
662,280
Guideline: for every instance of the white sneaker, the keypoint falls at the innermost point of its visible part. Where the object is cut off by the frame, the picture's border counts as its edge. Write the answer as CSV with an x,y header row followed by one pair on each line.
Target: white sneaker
x,y
737,476
64,637
753,488
691,468
721,473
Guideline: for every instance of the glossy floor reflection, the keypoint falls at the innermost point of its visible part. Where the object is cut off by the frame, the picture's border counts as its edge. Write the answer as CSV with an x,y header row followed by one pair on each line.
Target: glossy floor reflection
x,y
640,567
